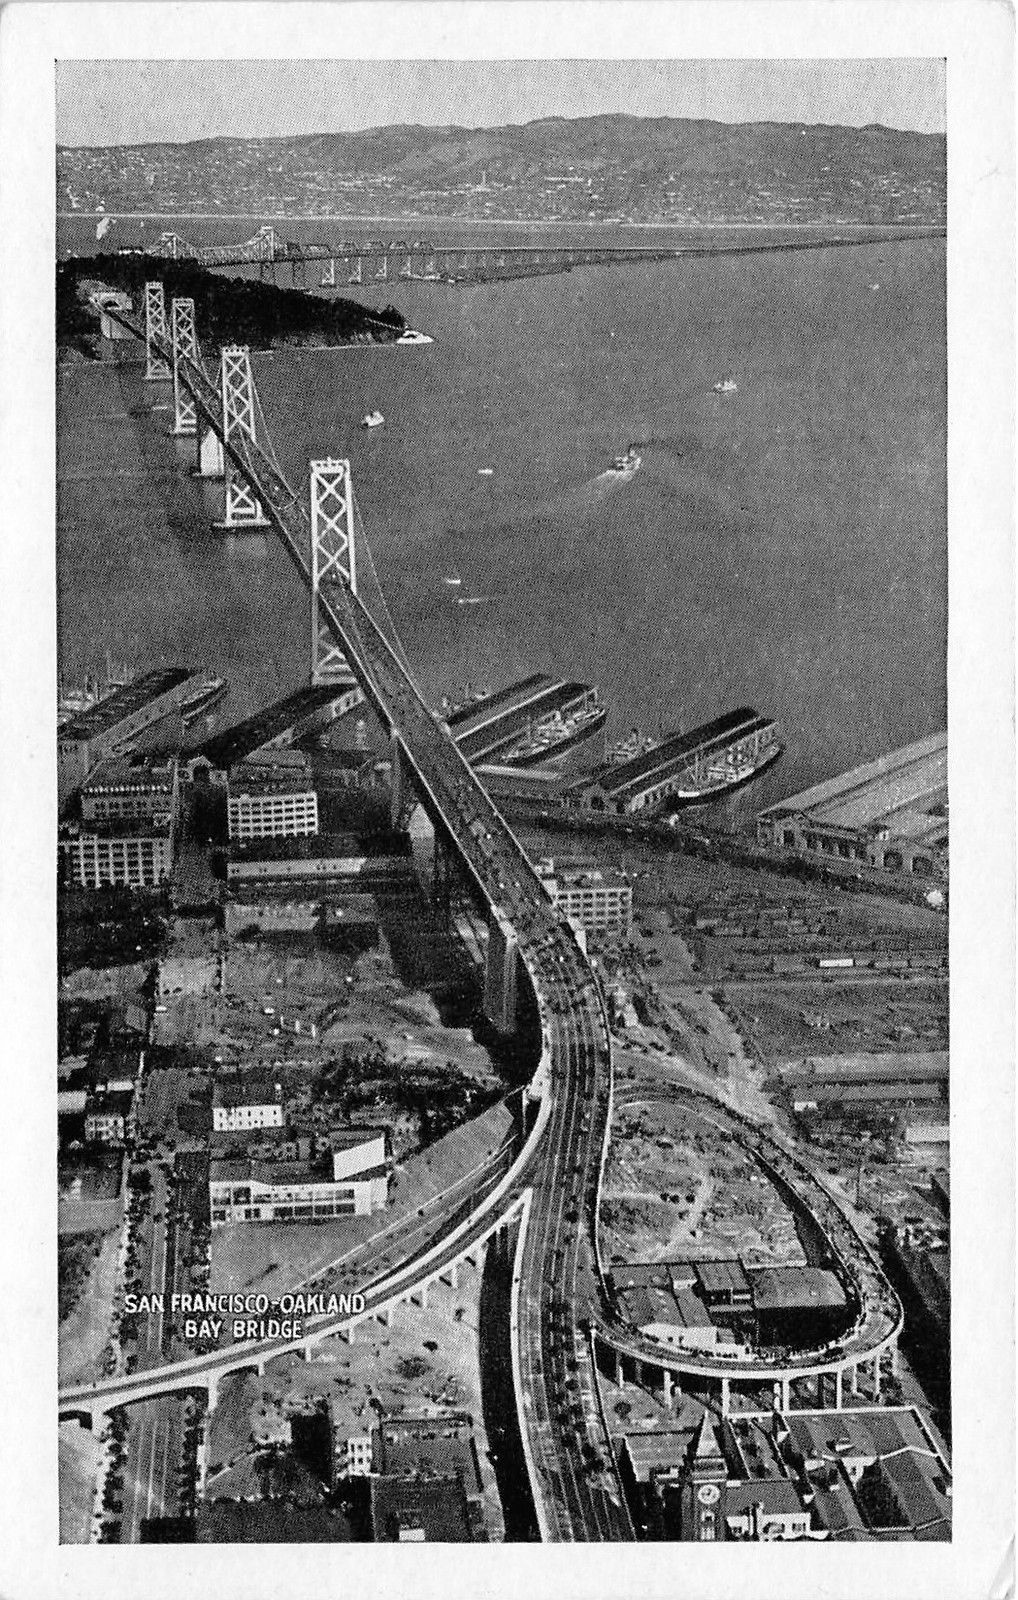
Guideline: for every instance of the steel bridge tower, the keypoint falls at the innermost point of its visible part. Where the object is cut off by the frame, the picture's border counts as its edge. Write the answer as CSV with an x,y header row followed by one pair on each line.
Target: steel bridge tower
x,y
185,345
333,559
243,509
155,327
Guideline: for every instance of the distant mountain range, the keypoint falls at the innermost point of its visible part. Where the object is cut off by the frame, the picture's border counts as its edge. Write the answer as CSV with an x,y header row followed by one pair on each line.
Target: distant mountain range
x,y
589,169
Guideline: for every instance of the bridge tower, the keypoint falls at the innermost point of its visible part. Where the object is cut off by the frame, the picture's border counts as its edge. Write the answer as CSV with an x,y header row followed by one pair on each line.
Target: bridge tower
x,y
155,327
333,560
185,345
243,509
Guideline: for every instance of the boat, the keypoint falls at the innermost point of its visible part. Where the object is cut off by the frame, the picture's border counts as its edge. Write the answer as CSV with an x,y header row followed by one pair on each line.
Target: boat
x,y
453,583
74,699
687,769
726,386
485,472
546,740
204,701
414,336
373,419
624,467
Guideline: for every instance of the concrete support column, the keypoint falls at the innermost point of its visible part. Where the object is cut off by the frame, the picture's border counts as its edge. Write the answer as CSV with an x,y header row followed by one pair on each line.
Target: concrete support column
x,y
396,781
500,975
424,1297
210,453
454,1275
213,1387
876,1377
666,1378
837,1390
854,1380
726,1397
786,1395
894,1359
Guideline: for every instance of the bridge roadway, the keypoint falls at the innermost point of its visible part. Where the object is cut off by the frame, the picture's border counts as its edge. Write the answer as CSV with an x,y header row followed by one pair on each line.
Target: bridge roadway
x,y
560,1298
880,1315
574,1481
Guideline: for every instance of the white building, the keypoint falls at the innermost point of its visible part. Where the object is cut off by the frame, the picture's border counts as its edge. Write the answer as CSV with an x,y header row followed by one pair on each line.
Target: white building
x,y
272,798
240,1104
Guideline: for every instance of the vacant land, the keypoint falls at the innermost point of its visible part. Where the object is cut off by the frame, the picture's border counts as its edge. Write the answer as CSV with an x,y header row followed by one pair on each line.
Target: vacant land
x,y
424,1361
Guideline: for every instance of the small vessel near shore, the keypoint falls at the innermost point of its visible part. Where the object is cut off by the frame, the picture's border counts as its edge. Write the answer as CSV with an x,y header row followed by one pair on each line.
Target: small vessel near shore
x,y
624,467
373,419
726,386
414,336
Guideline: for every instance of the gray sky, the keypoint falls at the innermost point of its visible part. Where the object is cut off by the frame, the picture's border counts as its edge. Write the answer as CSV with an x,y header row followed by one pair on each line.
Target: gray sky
x,y
134,102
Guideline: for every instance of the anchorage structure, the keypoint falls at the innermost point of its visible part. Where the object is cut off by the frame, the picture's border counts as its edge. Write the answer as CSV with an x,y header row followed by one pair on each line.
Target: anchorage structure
x,y
243,509
155,327
185,343
333,557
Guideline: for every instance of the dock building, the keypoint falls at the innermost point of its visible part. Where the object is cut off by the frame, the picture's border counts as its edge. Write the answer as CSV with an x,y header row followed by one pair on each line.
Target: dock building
x,y
537,720
111,725
298,715
687,768
891,813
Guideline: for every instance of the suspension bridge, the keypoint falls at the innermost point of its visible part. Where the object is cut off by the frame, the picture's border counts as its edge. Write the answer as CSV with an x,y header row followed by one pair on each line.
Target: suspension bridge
x,y
541,1208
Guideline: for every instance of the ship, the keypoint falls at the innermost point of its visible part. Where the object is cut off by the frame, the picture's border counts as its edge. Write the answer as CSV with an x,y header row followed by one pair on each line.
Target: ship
x,y
726,386
689,769
414,336
624,467
373,419
548,740
203,702
75,698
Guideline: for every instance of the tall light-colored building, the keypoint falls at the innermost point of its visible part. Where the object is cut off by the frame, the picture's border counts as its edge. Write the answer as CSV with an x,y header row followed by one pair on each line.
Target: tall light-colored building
x,y
272,798
601,903
132,855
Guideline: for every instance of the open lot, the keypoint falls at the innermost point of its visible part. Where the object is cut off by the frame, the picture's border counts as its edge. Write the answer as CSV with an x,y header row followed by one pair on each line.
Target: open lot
x,y
426,1360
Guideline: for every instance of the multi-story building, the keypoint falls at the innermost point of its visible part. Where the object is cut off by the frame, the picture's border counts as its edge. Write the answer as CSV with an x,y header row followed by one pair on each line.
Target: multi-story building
x,y
601,903
133,855
108,1114
242,1189
131,788
239,1104
891,813
272,798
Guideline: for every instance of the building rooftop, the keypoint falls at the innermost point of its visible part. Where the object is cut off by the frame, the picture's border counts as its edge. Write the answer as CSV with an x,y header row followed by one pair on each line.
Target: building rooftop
x,y
109,1102
433,1511
124,702
230,1092
276,777
305,847
156,827
722,1278
430,1447
661,1450
785,1288
777,1496
137,770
